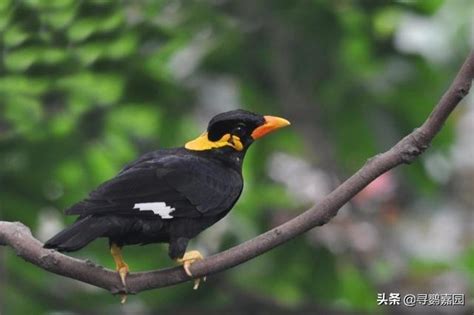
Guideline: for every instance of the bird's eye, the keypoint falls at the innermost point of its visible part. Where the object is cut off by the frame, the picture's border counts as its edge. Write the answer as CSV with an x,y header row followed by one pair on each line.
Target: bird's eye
x,y
239,130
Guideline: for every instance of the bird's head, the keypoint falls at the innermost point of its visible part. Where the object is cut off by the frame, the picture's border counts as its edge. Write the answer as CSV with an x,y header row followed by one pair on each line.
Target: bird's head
x,y
235,129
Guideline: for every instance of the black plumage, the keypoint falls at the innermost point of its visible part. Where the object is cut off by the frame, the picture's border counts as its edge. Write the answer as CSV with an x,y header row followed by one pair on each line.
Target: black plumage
x,y
198,185
170,195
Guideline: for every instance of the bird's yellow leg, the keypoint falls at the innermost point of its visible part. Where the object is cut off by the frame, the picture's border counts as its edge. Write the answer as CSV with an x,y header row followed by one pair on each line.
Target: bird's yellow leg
x,y
187,260
121,267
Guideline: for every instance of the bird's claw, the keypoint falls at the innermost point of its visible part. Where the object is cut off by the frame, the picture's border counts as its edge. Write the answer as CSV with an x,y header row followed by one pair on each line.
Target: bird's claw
x,y
123,298
187,260
123,272
121,267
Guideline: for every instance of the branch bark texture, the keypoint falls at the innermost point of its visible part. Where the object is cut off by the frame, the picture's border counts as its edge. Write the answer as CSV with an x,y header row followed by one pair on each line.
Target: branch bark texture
x,y
18,236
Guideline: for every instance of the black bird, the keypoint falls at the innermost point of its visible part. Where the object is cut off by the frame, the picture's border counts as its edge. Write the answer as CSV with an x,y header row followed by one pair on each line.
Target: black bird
x,y
169,195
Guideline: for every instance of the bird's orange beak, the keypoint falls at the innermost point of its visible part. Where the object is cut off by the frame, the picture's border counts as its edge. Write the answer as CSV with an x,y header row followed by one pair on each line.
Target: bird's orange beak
x,y
271,123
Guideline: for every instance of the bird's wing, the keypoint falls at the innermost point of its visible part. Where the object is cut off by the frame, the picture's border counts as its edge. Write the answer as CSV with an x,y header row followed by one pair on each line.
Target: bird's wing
x,y
171,187
207,186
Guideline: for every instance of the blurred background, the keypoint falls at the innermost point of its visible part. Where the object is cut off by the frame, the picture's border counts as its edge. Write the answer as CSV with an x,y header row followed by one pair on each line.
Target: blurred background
x,y
86,86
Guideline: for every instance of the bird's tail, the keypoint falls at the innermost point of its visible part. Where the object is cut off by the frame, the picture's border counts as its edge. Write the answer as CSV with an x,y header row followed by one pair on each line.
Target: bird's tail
x,y
79,234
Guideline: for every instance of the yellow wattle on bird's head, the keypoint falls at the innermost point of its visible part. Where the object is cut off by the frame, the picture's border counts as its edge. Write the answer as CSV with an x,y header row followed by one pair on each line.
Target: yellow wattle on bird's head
x,y
235,129
202,143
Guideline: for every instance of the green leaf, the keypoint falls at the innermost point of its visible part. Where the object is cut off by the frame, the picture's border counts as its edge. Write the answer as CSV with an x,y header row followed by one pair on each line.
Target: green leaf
x,y
157,63
59,19
120,147
386,20
63,124
124,46
97,157
20,60
466,264
14,36
356,290
4,20
427,7
111,22
22,85
424,267
23,112
70,172
141,120
52,55
5,5
89,53
47,4
81,29
94,88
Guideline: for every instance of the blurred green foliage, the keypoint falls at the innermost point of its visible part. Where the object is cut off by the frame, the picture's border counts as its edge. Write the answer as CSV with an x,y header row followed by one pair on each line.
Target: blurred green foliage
x,y
86,86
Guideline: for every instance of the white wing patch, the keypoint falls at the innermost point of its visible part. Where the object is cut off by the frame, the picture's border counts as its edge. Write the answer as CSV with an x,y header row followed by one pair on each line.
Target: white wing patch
x,y
159,208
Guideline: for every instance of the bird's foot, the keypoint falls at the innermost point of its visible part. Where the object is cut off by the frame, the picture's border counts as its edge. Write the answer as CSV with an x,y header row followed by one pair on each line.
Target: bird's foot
x,y
122,269
123,298
123,272
187,260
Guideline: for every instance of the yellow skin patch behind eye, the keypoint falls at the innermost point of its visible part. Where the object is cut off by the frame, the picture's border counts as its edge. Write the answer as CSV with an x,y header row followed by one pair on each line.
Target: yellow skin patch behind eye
x,y
202,143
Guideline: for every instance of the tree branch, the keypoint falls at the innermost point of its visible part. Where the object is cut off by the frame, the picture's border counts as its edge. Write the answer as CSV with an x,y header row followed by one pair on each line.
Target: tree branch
x,y
19,237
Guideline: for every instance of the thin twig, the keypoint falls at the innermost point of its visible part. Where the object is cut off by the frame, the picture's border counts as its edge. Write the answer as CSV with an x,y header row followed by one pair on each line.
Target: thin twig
x,y
18,236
